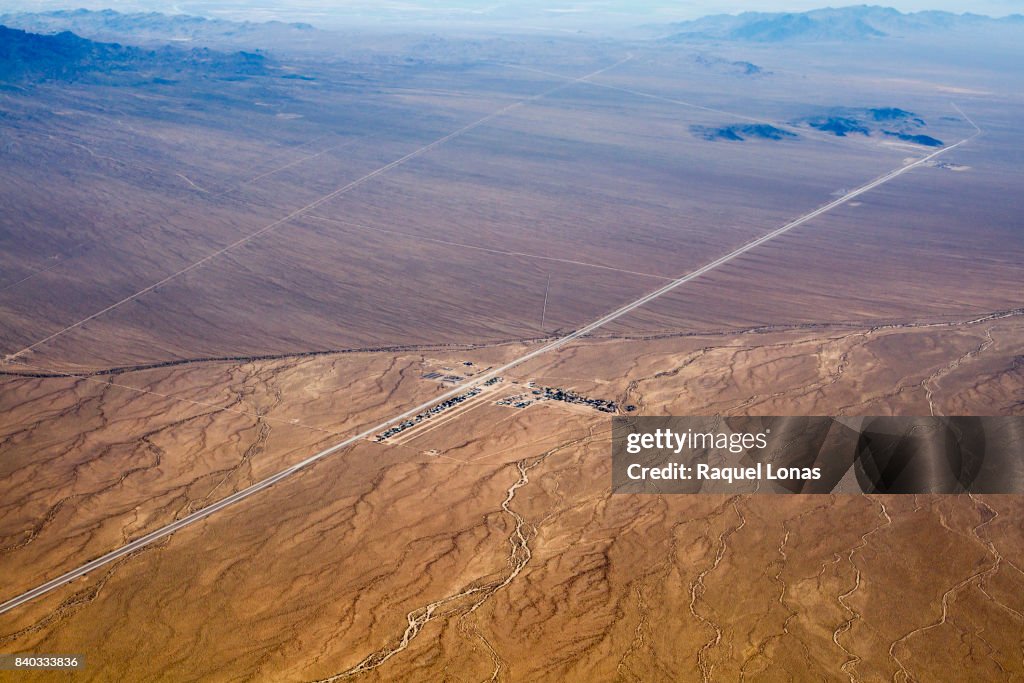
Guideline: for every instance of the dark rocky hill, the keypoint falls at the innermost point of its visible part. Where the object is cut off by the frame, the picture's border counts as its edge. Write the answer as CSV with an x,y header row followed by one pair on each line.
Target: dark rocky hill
x,y
31,57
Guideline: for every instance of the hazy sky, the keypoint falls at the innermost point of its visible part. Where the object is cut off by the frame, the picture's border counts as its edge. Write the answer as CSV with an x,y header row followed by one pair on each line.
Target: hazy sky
x,y
566,13
993,7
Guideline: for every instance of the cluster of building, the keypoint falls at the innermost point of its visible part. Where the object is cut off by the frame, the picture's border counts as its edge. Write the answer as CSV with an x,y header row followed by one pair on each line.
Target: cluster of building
x,y
517,401
440,377
554,394
449,375
426,414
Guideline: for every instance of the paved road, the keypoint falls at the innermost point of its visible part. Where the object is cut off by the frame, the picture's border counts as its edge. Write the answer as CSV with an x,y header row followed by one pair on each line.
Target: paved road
x,y
551,346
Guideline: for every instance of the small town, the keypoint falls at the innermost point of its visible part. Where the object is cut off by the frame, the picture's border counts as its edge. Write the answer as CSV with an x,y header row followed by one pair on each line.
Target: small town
x,y
427,414
554,394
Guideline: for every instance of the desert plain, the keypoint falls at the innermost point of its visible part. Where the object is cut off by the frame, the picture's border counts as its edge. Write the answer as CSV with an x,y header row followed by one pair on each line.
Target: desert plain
x,y
206,281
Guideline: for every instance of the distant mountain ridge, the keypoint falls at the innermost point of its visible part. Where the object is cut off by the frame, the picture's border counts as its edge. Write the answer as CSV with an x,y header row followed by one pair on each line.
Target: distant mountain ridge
x,y
862,22
31,57
147,27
